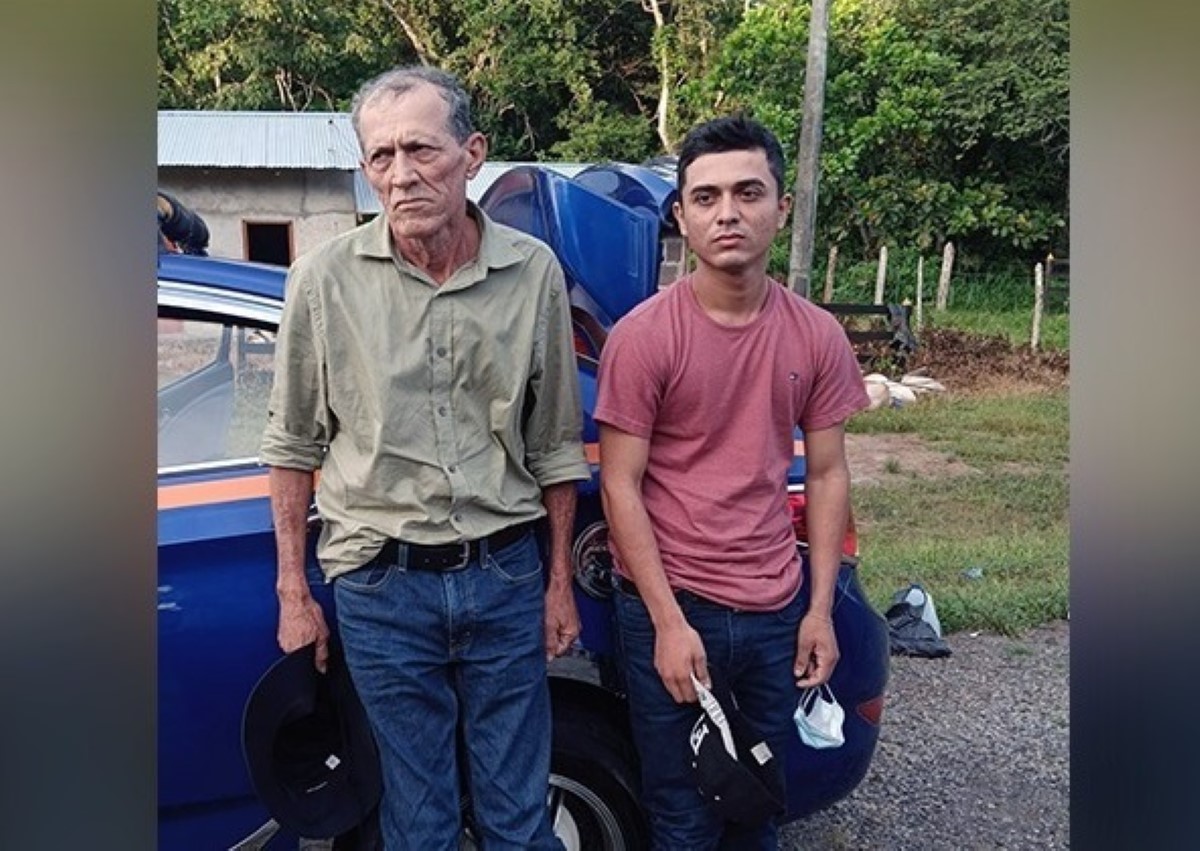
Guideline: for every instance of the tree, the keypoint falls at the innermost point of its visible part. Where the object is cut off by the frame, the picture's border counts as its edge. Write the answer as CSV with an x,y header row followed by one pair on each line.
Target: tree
x,y
919,146
265,54
687,34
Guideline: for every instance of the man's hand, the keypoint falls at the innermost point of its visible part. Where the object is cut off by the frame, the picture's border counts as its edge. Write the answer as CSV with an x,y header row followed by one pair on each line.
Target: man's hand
x,y
302,622
678,654
816,651
562,618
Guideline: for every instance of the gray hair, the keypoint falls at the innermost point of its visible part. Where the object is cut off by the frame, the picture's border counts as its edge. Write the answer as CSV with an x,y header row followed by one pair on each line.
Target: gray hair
x,y
401,80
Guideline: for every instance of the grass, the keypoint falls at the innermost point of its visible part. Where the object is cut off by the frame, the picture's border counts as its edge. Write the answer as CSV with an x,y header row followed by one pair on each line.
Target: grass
x,y
991,545
1015,325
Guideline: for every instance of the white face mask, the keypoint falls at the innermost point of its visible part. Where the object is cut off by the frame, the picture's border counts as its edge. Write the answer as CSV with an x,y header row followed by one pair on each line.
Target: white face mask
x,y
819,721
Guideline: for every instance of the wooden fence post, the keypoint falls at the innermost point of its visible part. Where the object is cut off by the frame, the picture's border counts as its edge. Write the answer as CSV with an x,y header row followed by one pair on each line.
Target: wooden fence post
x,y
943,290
881,275
1038,298
920,289
829,273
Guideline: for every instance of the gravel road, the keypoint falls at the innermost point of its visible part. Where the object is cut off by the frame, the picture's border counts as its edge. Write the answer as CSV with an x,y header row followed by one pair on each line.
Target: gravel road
x,y
973,753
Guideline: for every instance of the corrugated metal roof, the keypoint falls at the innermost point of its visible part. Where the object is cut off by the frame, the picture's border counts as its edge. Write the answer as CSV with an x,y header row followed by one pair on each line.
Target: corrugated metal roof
x,y
301,140
318,140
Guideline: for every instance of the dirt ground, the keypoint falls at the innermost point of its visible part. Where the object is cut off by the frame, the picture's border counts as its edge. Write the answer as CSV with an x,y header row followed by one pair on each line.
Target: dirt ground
x,y
967,364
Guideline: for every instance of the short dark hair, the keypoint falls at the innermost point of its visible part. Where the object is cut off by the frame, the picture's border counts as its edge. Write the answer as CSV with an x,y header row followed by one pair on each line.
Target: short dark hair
x,y
400,80
730,133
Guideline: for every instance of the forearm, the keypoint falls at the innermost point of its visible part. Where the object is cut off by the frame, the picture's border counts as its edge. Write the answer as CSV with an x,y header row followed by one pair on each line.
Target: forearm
x,y
291,496
559,500
631,530
828,512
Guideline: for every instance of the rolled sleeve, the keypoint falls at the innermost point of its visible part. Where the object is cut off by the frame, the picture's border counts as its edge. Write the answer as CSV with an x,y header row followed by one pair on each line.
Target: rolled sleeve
x,y
298,419
553,428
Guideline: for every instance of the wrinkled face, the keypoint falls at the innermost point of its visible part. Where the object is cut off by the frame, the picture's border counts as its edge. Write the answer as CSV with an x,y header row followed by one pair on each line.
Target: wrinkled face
x,y
730,210
414,163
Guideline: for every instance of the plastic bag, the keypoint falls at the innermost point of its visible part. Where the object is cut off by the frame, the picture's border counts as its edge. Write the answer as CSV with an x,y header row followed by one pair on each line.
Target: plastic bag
x,y
913,626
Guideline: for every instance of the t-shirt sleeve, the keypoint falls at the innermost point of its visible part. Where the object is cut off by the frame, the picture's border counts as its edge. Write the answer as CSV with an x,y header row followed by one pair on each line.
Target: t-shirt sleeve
x,y
630,387
838,390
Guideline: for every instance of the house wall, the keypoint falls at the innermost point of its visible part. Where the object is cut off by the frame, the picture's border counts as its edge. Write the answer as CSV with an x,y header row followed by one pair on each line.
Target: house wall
x,y
318,204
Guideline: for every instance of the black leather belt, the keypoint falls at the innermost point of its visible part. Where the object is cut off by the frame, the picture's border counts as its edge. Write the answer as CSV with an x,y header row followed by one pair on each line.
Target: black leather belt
x,y
449,556
682,595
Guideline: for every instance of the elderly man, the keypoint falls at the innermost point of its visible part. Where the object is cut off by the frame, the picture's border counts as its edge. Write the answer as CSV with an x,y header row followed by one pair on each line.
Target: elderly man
x,y
425,367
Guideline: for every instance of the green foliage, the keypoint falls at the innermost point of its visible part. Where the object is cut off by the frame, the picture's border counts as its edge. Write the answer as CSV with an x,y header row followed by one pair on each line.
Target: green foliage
x,y
600,133
941,122
264,54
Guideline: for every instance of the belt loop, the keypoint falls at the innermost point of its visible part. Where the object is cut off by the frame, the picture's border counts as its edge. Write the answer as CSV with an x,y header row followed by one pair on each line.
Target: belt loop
x,y
401,555
484,545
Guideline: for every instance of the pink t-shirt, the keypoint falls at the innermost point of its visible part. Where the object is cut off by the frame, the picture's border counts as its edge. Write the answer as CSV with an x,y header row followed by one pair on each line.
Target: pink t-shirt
x,y
719,406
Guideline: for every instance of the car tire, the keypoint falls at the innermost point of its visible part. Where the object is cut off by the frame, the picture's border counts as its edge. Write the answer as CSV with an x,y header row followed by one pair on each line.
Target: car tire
x,y
594,786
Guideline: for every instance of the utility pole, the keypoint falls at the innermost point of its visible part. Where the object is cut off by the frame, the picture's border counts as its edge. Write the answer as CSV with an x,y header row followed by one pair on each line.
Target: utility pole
x,y
804,216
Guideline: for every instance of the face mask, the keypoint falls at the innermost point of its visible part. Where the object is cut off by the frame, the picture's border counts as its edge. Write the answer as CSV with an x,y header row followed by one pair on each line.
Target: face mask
x,y
819,721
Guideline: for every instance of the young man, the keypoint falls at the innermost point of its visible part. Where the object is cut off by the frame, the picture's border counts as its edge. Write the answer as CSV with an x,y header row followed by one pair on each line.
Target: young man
x,y
425,365
701,388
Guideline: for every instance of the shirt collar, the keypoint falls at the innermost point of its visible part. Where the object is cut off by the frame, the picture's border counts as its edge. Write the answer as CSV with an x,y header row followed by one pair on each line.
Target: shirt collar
x,y
497,249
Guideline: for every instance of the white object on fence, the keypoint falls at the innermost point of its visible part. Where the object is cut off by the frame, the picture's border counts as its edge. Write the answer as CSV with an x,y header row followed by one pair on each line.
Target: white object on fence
x,y
1039,292
881,275
943,290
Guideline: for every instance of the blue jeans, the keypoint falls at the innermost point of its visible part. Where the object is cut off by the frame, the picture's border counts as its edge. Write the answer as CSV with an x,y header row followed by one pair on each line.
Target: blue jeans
x,y
750,654
430,651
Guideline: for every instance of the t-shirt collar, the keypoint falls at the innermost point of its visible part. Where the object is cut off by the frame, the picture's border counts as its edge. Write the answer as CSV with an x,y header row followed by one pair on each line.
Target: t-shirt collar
x,y
496,249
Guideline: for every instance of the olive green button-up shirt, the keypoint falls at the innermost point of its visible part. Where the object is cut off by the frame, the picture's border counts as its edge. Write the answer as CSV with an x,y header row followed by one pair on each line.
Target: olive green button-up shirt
x,y
434,413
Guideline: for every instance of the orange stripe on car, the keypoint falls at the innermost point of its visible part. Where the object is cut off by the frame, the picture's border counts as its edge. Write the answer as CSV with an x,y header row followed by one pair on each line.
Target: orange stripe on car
x,y
191,494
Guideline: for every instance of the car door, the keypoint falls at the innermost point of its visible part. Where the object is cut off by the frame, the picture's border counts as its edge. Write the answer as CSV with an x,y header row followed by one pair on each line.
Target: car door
x,y
216,556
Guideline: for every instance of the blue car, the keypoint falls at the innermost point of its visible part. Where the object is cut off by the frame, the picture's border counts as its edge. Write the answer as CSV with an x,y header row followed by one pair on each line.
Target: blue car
x,y
217,611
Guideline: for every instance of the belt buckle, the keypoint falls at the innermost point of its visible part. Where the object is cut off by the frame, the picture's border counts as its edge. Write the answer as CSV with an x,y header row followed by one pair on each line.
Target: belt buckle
x,y
466,556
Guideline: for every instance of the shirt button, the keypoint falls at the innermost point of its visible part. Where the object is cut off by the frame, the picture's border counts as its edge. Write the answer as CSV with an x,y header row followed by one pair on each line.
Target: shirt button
x,y
441,352
442,411
457,518
453,468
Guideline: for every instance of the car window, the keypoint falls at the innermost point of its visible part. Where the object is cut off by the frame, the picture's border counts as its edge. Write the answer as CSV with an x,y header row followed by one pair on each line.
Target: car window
x,y
213,382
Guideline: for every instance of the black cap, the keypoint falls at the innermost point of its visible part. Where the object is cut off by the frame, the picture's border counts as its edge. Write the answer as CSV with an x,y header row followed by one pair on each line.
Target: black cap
x,y
746,787
309,747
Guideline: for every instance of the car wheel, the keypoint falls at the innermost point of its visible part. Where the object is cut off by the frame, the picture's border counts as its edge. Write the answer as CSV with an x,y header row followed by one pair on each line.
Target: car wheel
x,y
593,787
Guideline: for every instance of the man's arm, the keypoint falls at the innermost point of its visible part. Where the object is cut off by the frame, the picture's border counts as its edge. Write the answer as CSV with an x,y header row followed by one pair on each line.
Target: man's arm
x,y
301,620
827,487
678,649
562,618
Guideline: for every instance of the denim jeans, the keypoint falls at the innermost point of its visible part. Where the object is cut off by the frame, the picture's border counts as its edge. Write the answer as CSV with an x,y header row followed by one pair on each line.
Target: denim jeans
x,y
750,654
429,651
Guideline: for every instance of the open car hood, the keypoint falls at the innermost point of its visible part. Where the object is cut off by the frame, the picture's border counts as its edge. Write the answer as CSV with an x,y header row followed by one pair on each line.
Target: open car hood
x,y
604,225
